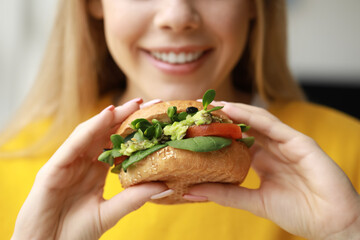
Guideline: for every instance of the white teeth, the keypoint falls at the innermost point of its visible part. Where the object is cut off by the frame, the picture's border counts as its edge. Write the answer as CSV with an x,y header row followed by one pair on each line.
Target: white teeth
x,y
177,58
172,58
181,57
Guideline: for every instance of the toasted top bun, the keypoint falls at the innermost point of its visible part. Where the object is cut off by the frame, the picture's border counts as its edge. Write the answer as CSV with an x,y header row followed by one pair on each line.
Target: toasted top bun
x,y
180,169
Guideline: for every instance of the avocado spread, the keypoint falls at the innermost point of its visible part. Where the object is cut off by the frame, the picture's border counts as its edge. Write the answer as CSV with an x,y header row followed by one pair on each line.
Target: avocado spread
x,y
177,130
134,145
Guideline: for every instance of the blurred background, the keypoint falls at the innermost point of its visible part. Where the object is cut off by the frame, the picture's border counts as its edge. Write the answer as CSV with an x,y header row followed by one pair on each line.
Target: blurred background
x,y
324,50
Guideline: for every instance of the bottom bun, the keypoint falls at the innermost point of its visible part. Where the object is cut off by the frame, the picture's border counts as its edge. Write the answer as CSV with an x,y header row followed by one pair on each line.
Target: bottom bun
x,y
180,169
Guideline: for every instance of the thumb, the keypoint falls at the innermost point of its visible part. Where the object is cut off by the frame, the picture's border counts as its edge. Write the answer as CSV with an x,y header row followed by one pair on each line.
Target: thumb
x,y
130,199
229,195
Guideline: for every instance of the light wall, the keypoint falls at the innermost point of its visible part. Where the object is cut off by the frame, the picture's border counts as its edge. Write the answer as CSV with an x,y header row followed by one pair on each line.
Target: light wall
x,y
324,40
324,43
24,29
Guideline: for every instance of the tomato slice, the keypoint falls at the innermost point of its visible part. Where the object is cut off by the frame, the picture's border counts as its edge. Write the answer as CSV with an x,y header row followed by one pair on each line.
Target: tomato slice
x,y
227,130
120,159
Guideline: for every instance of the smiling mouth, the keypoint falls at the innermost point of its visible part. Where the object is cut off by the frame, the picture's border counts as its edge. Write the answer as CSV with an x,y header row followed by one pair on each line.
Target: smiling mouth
x,y
177,58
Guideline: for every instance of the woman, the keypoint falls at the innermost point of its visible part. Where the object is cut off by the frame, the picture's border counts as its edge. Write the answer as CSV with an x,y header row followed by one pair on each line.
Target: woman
x,y
176,50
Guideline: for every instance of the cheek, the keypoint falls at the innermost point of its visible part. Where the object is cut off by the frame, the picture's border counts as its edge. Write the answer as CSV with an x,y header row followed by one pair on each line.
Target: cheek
x,y
232,29
123,26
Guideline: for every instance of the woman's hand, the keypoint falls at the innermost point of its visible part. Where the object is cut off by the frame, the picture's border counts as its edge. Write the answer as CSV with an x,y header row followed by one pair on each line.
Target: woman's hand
x,y
66,199
302,189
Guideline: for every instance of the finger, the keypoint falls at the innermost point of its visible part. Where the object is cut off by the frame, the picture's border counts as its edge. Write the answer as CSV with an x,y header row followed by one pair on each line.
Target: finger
x,y
149,103
246,107
254,109
260,120
132,198
293,149
229,195
123,111
96,128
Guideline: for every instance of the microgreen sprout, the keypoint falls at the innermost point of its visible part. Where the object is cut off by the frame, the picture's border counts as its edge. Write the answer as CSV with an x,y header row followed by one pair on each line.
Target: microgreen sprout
x,y
208,97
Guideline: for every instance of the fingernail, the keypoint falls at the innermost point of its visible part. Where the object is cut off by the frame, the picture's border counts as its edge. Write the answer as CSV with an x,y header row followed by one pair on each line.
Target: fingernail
x,y
199,100
135,100
162,194
109,108
149,103
194,198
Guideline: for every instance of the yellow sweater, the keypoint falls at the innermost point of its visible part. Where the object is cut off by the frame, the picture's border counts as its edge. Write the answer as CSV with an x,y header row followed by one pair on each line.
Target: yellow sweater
x,y
336,133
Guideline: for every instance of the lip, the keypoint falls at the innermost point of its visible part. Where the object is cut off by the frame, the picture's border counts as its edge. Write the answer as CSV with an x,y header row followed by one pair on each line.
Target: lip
x,y
177,69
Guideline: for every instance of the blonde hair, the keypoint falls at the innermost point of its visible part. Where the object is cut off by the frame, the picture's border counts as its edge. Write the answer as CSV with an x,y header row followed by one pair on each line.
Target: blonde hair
x,y
77,70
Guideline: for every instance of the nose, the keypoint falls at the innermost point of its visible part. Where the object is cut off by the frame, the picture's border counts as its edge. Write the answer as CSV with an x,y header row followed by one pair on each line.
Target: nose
x,y
177,16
